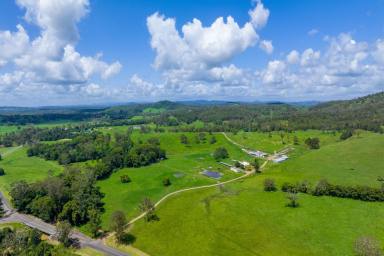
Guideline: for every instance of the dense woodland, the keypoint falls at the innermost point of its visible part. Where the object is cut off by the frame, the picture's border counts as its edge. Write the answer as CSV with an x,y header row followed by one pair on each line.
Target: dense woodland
x,y
111,154
72,196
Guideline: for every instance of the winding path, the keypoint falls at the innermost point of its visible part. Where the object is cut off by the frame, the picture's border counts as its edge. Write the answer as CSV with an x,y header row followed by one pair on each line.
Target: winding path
x,y
195,188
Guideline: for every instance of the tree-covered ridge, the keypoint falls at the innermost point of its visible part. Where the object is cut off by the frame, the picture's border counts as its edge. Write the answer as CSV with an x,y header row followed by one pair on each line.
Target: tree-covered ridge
x,y
364,113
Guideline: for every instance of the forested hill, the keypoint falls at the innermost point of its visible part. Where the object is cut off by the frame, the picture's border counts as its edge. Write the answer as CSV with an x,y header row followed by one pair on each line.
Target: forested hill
x,y
367,103
365,113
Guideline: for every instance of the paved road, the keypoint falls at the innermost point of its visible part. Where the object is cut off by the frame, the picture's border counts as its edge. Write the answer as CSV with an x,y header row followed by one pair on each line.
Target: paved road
x,y
12,216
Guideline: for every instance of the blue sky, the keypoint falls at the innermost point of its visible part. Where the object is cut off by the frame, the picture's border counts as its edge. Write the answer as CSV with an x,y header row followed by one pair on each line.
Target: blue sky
x,y
84,52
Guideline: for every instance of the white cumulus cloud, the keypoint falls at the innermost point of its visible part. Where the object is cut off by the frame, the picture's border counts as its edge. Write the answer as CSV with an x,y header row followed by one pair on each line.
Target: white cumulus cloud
x,y
50,59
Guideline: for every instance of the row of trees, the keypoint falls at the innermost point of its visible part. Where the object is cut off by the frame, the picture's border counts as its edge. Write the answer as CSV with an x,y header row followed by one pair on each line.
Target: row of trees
x,y
324,188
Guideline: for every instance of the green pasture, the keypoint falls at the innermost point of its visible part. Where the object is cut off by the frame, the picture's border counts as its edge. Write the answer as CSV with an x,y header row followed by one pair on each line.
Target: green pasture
x,y
244,220
182,166
18,166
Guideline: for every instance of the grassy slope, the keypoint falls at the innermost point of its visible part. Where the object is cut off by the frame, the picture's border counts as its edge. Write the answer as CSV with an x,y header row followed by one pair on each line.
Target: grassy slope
x,y
249,221
270,142
354,161
18,166
255,222
147,181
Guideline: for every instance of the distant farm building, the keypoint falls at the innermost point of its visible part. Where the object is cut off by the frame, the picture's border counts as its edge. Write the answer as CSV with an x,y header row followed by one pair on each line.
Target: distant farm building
x,y
244,164
255,153
236,170
280,158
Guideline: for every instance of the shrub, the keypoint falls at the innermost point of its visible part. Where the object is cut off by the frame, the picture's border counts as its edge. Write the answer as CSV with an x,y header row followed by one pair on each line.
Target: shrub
x,y
293,200
269,185
321,188
125,179
346,134
303,187
288,187
166,182
313,143
2,172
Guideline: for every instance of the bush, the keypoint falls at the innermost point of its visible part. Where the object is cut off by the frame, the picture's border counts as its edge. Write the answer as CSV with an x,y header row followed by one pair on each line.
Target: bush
x,y
269,185
125,179
166,182
2,172
321,188
293,200
313,143
346,134
288,187
303,187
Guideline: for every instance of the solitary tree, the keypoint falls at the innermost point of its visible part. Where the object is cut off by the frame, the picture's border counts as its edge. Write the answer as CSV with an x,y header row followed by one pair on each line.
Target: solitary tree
x,y
367,246
1,157
256,165
118,223
2,172
183,139
94,221
146,206
63,233
220,153
213,140
166,182
313,143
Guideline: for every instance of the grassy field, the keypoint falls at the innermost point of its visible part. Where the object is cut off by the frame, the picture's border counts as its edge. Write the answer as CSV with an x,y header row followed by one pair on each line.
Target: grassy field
x,y
183,167
275,141
245,220
357,161
249,221
19,166
7,128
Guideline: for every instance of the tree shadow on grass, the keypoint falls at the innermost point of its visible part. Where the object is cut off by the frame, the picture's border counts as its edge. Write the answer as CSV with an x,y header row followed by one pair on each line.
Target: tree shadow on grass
x,y
128,239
